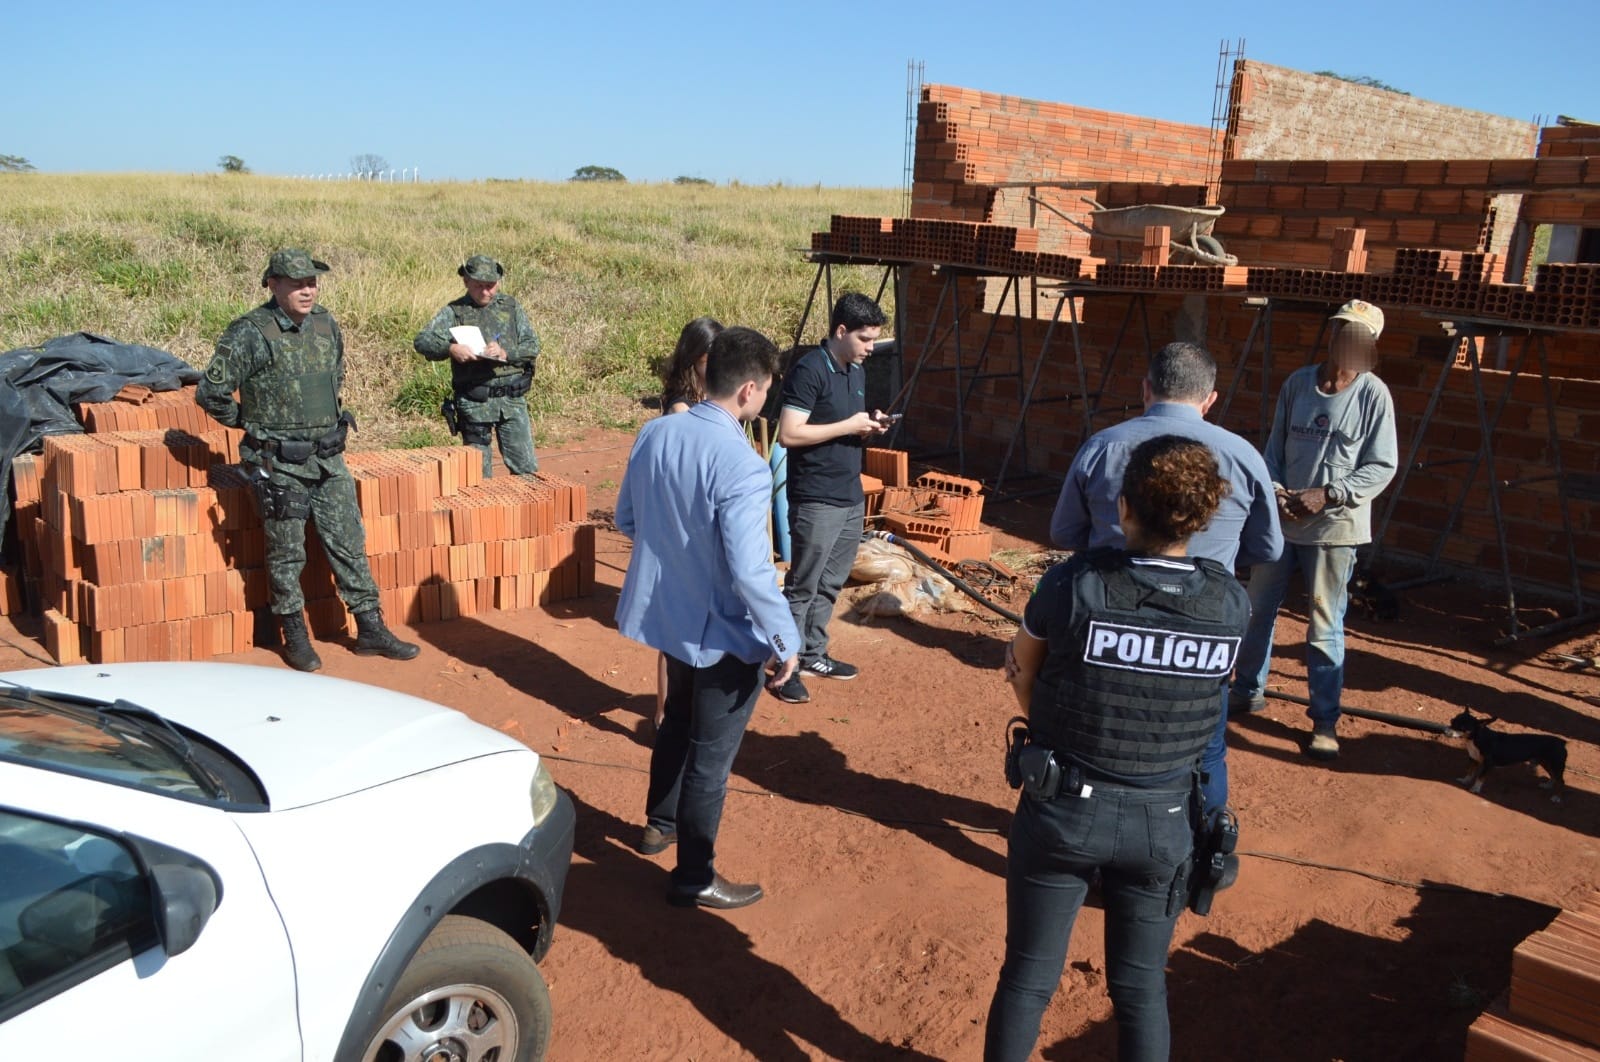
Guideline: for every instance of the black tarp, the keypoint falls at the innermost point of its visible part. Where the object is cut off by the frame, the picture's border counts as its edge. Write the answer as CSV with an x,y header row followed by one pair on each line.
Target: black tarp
x,y
39,386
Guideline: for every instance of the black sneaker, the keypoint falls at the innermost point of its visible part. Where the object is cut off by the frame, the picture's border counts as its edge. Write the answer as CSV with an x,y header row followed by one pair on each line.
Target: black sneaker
x,y
1241,706
794,691
826,666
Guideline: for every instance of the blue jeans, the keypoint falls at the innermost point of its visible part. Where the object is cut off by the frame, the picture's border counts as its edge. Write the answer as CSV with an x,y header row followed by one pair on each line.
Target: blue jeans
x,y
1327,572
823,540
707,711
1214,764
1138,839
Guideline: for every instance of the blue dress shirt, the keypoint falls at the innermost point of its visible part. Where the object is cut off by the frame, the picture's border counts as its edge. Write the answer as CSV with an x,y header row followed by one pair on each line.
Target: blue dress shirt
x,y
701,583
1244,531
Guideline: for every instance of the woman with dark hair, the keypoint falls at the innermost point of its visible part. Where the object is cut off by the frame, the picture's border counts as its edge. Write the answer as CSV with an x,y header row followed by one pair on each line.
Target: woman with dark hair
x,y
684,377
1119,666
683,381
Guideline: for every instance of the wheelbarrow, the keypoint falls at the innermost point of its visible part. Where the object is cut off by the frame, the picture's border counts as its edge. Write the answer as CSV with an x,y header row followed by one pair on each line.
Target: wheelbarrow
x,y
1191,227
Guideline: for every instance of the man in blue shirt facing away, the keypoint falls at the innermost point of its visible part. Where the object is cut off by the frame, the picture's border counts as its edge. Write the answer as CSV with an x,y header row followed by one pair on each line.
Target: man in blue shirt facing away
x,y
701,588
1179,388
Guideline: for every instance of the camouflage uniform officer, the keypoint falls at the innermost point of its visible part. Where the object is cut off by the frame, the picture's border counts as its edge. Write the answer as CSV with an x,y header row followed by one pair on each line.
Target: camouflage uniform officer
x,y
491,387
286,360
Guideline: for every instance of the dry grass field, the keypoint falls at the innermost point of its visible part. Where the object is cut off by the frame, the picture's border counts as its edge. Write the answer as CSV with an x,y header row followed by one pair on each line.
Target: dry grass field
x,y
607,272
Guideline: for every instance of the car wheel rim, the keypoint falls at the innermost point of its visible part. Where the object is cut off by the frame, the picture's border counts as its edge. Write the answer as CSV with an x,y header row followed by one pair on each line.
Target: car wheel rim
x,y
456,1023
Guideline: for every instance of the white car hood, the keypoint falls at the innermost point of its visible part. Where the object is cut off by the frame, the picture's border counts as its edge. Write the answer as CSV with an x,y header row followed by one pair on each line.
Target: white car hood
x,y
308,738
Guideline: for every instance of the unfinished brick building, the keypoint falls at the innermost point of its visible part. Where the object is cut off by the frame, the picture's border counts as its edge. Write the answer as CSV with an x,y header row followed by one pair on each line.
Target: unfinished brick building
x,y
1020,332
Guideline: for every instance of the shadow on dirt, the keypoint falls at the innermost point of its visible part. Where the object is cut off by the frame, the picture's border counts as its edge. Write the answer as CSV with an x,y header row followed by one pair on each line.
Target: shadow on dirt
x,y
1328,993
807,769
618,898
537,672
1413,754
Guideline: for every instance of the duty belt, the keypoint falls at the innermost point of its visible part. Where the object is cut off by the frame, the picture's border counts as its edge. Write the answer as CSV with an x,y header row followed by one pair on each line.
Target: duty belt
x,y
517,386
299,451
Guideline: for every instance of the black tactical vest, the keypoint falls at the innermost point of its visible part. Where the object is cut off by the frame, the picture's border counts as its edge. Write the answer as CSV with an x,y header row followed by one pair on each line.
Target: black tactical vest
x,y
297,393
1132,685
497,322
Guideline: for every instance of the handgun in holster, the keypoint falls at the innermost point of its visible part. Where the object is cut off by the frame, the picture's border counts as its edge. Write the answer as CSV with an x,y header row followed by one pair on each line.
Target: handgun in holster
x,y
1214,866
451,421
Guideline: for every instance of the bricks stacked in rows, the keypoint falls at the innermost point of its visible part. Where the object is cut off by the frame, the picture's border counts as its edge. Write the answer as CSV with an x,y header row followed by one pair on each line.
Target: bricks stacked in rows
x,y
147,544
1553,1008
997,248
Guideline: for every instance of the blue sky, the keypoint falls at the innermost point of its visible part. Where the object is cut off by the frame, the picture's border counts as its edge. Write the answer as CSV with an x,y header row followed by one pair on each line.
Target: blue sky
x,y
801,93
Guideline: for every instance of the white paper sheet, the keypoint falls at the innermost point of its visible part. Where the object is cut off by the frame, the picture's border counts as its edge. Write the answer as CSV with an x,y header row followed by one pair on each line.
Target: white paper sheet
x,y
471,337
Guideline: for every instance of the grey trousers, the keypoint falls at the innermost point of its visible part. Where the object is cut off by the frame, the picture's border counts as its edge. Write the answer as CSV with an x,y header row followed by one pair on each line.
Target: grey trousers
x,y
823,540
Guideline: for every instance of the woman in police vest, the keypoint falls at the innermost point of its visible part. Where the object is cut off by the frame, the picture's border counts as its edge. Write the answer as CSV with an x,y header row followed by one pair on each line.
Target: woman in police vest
x,y
1119,664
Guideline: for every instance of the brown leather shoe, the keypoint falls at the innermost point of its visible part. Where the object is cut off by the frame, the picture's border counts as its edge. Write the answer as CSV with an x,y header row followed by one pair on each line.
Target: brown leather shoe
x,y
721,894
655,840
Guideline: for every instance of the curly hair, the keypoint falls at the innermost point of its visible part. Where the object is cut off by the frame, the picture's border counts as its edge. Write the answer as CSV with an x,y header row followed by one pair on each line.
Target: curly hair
x,y
679,380
1173,487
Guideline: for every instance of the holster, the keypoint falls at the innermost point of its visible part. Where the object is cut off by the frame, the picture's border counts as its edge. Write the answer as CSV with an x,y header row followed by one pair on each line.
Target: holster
x,y
280,501
451,421
1214,865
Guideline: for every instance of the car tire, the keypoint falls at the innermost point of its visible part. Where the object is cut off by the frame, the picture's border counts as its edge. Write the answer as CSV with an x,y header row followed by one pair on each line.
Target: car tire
x,y
469,988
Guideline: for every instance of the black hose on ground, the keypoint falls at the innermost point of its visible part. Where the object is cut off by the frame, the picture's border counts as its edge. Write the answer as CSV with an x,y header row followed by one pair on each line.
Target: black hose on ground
x,y
1367,713
960,583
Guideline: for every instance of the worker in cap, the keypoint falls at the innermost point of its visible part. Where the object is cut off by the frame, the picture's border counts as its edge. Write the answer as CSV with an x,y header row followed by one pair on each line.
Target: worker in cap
x,y
1331,452
493,352
285,361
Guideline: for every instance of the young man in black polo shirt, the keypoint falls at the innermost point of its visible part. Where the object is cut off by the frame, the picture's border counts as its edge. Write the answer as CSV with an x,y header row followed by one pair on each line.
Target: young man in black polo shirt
x,y
824,423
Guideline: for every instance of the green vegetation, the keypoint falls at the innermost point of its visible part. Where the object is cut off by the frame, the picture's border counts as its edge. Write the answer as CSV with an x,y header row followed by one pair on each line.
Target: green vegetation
x,y
1363,80
608,273
15,164
232,164
596,173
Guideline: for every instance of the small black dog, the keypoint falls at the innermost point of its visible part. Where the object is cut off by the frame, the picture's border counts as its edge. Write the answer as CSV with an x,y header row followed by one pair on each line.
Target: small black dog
x,y
1374,599
1490,749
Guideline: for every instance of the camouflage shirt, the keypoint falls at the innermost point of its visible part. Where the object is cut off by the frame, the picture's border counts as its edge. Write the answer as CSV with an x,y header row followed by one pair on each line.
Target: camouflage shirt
x,y
280,398
501,321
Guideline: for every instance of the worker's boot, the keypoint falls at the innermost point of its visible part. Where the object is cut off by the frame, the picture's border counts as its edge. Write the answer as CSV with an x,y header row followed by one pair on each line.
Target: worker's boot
x,y
297,643
375,639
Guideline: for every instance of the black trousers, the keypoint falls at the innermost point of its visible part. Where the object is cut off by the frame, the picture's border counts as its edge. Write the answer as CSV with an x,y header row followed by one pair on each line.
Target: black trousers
x,y
1138,839
707,711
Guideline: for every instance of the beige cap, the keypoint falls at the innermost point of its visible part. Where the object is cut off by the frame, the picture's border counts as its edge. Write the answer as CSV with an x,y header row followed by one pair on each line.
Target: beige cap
x,y
1361,313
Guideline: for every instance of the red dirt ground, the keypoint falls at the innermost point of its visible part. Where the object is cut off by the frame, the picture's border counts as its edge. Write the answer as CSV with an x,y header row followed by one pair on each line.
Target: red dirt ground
x,y
874,817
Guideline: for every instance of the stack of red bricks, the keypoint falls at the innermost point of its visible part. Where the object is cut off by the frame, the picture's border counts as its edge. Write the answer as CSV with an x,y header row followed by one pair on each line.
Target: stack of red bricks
x,y
995,248
146,544
1553,1009
941,515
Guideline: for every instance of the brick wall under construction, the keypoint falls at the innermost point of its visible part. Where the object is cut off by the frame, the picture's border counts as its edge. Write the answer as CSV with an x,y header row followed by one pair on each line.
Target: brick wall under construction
x,y
141,539
1285,212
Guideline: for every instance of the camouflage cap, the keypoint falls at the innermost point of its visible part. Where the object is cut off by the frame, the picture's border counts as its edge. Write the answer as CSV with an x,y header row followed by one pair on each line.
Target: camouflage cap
x,y
294,263
481,267
1363,313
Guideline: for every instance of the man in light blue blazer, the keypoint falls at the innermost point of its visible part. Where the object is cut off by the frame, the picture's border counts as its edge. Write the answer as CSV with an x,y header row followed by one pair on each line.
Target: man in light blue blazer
x,y
702,589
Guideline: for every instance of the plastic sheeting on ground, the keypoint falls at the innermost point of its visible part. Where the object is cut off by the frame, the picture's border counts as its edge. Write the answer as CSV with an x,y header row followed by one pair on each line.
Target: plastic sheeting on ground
x,y
40,385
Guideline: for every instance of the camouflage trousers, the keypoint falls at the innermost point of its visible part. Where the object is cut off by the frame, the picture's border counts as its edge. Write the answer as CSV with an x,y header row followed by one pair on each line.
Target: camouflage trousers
x,y
507,417
323,490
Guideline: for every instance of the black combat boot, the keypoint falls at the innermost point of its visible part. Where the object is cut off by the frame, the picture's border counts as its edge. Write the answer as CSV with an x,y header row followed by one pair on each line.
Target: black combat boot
x,y
297,643
375,639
